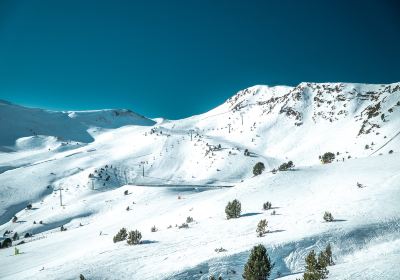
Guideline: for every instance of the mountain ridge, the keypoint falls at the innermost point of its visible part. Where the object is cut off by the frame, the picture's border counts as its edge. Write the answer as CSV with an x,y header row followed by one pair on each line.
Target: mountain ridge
x,y
160,172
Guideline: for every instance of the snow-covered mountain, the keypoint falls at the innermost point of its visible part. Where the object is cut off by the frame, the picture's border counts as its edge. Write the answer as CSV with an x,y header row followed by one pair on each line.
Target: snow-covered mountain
x,y
17,122
193,167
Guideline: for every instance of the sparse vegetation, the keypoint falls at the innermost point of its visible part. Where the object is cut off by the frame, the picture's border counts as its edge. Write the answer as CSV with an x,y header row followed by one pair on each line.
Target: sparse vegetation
x,y
233,209
258,168
219,250
189,220
184,225
121,235
359,185
153,229
258,266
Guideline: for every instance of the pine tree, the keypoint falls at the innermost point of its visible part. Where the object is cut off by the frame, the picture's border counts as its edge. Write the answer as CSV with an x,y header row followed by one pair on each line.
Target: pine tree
x,y
267,205
328,253
258,168
328,217
311,272
6,243
327,157
233,209
316,268
15,236
262,228
322,263
134,237
258,266
121,235
286,166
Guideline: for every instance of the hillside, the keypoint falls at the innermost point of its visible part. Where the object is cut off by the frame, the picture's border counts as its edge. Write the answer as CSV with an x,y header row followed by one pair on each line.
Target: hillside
x,y
193,167
72,126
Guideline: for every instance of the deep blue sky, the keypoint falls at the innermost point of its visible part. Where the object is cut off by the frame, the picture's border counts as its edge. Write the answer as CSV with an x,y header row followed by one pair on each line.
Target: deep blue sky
x,y
178,58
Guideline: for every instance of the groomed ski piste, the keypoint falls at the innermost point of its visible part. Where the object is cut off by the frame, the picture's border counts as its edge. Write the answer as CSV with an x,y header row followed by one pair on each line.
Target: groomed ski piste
x,y
115,169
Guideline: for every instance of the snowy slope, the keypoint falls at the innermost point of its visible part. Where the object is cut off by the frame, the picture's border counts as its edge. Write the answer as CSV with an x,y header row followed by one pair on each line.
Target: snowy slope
x,y
95,156
17,122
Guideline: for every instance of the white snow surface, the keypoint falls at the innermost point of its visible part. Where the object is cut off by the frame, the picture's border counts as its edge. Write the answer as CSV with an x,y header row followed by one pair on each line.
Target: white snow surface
x,y
194,167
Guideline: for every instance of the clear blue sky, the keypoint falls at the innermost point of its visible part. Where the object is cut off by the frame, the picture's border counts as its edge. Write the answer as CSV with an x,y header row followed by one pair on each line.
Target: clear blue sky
x,y
178,58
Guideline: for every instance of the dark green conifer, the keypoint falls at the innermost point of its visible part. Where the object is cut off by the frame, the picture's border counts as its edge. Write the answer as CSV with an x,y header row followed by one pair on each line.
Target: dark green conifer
x,y
258,266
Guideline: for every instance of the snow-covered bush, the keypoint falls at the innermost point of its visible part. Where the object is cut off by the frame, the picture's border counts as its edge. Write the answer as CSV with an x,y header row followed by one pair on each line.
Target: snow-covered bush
x,y
121,235
262,228
153,229
258,266
328,216
258,168
233,209
189,220
134,237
